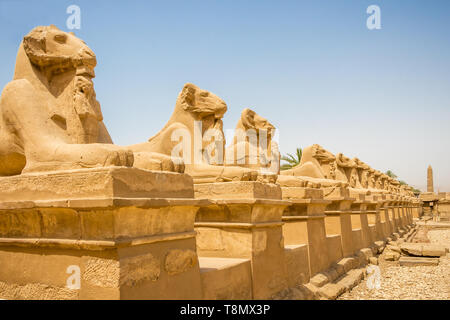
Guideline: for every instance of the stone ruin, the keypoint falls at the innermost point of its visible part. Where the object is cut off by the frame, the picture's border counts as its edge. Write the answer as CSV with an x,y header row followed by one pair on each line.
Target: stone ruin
x,y
82,218
436,205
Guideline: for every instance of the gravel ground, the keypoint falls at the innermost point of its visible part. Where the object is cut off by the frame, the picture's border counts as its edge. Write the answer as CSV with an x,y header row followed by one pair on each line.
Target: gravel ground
x,y
415,283
441,237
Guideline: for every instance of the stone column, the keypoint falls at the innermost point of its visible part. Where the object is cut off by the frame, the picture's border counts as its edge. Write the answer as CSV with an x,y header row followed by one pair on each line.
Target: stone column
x,y
373,219
406,210
307,210
367,231
380,220
388,215
430,186
393,213
398,213
244,221
338,217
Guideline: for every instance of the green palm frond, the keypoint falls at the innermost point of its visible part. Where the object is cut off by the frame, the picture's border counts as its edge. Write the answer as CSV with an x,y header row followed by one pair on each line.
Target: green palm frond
x,y
391,174
292,160
285,167
299,154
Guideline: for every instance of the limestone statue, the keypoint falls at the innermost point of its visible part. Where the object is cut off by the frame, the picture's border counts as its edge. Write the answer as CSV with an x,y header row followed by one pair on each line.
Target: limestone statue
x,y
371,179
384,183
317,165
346,170
363,173
252,145
378,180
50,118
202,111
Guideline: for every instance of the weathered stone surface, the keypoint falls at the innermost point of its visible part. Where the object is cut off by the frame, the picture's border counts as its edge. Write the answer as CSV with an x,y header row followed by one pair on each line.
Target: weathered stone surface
x,y
347,263
178,261
391,255
339,268
367,253
352,278
394,248
418,261
373,260
331,290
360,259
36,291
332,274
380,243
101,272
238,190
312,289
96,183
319,280
226,278
138,269
414,249
433,250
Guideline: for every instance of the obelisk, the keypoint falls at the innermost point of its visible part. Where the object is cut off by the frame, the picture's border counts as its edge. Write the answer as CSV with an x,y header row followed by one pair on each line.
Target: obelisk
x,y
430,187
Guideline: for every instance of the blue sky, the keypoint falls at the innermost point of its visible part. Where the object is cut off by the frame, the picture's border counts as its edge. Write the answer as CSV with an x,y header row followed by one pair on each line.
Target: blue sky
x,y
311,67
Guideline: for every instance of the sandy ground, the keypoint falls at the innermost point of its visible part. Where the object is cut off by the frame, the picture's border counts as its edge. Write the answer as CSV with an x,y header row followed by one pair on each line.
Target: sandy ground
x,y
415,283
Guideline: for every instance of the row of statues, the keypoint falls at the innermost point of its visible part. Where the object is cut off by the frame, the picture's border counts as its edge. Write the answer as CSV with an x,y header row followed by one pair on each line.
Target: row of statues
x,y
321,166
51,120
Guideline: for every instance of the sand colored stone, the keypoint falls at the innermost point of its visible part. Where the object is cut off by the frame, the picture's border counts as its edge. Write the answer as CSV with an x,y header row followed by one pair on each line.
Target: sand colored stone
x,y
252,145
50,117
195,105
131,235
430,187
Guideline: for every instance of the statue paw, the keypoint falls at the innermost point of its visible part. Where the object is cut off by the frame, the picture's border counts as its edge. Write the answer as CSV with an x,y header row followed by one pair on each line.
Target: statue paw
x,y
158,162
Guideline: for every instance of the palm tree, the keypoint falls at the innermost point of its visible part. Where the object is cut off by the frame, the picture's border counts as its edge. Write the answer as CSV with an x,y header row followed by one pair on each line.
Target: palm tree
x,y
291,160
391,174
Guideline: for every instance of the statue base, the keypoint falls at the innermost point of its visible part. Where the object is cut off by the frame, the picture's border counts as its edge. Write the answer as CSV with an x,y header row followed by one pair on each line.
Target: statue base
x,y
109,233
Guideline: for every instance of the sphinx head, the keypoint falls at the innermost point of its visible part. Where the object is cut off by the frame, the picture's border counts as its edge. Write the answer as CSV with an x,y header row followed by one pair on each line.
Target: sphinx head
x,y
53,51
202,105
322,155
64,64
251,120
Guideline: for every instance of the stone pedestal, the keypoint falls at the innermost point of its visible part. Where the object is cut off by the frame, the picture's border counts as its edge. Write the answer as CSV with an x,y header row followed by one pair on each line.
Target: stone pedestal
x,y
389,215
358,207
444,209
304,224
373,219
368,234
244,221
338,217
109,233
403,214
380,218
396,212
